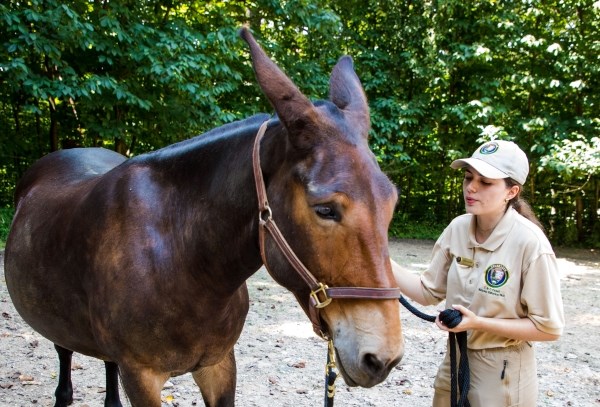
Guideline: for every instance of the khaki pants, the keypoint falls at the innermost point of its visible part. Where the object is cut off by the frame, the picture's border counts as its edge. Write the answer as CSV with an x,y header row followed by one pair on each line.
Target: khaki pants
x,y
518,388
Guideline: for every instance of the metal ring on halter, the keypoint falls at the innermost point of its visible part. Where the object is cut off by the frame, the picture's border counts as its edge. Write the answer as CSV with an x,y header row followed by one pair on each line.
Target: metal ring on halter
x,y
265,215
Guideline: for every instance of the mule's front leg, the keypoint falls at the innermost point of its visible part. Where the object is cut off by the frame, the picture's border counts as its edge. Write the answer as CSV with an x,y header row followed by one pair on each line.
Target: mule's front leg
x,y
64,390
217,383
142,385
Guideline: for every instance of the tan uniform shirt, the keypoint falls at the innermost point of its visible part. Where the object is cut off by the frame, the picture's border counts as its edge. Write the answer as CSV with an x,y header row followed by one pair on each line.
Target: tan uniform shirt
x,y
513,274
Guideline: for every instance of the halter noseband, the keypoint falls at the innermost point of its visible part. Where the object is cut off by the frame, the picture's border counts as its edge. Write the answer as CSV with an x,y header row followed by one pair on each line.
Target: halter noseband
x,y
320,294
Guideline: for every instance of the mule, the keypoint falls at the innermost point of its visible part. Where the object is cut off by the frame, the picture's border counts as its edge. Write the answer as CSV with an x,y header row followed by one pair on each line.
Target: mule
x,y
142,262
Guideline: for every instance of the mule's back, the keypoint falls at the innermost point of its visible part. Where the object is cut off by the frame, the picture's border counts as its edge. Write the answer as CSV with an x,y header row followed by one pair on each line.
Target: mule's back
x,y
70,168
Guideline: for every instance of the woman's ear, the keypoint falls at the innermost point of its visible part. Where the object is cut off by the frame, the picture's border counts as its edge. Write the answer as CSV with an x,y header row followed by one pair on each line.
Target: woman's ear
x,y
513,191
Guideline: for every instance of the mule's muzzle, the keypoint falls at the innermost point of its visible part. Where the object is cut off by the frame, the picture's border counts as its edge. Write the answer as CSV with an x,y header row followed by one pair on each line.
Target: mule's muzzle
x,y
372,370
376,368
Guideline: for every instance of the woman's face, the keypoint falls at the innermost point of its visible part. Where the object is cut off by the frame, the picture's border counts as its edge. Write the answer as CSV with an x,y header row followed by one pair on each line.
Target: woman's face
x,y
485,196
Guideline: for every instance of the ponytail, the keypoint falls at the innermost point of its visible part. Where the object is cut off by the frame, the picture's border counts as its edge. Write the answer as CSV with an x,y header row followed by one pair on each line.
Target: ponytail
x,y
521,205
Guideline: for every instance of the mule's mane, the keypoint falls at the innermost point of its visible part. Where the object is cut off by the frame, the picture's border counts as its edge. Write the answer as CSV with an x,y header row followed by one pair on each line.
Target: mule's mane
x,y
222,134
212,137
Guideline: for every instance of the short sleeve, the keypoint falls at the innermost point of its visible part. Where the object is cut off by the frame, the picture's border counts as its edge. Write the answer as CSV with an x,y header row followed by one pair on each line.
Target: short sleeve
x,y
434,280
541,297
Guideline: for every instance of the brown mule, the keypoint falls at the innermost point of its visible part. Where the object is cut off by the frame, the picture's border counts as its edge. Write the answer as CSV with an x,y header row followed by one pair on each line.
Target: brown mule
x,y
142,262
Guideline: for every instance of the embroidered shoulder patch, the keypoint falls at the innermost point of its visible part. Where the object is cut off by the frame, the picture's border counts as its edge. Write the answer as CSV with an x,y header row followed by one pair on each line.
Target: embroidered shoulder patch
x,y
496,275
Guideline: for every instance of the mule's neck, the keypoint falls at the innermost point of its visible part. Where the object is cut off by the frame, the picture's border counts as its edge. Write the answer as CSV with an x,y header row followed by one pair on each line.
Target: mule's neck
x,y
210,188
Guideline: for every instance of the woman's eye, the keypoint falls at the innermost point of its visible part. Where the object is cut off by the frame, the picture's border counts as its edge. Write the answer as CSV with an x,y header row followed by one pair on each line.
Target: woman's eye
x,y
326,212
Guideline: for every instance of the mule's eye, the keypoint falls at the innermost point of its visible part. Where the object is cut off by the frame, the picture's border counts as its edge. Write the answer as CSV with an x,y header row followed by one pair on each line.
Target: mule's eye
x,y
327,212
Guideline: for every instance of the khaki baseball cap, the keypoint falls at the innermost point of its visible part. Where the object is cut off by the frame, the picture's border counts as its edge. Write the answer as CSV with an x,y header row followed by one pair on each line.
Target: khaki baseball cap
x,y
497,159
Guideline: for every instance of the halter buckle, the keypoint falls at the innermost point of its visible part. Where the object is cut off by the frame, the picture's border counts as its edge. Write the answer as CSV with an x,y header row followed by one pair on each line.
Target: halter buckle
x,y
321,290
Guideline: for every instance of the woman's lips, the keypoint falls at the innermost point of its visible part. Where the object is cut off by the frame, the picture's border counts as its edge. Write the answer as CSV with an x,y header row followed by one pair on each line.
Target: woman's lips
x,y
470,201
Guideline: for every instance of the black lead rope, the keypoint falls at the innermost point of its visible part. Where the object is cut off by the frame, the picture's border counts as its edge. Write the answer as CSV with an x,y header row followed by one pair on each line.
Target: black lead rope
x,y
451,318
330,375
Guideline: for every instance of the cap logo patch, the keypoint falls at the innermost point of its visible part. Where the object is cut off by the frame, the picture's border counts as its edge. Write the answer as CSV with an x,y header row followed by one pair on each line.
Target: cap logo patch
x,y
496,275
489,148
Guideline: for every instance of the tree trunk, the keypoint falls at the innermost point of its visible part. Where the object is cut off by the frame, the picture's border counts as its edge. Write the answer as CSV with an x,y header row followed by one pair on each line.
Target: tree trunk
x,y
579,218
53,131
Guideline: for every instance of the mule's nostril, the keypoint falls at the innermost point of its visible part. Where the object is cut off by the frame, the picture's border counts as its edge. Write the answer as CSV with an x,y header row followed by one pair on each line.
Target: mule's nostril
x,y
396,361
372,364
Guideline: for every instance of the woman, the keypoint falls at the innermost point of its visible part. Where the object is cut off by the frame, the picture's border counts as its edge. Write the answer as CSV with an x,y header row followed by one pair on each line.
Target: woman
x,y
495,265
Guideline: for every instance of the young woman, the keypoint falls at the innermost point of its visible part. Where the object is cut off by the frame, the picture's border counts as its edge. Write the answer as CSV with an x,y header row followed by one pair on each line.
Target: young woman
x,y
495,265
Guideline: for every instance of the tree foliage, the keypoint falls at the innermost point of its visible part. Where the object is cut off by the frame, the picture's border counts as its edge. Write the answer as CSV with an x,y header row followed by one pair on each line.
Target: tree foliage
x,y
441,77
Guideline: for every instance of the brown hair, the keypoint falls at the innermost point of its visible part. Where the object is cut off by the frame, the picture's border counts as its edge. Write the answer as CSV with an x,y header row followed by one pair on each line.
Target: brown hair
x,y
521,205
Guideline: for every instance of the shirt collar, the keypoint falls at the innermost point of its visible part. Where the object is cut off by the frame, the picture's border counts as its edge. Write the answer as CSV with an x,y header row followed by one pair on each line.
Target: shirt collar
x,y
499,233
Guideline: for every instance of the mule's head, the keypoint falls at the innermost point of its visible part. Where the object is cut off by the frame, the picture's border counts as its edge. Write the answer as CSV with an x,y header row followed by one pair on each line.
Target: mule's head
x,y
333,205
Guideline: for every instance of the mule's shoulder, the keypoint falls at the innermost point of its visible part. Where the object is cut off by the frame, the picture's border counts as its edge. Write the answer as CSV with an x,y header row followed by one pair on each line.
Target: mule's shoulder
x,y
69,166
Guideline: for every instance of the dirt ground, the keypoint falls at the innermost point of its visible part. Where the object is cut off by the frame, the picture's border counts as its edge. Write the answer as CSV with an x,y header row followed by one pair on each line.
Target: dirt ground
x,y
281,362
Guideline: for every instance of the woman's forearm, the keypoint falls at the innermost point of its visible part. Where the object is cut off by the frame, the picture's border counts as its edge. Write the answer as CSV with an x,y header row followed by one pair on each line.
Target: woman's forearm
x,y
521,329
409,283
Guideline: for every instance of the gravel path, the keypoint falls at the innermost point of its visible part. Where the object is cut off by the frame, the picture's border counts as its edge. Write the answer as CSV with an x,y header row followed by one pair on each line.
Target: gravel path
x,y
281,362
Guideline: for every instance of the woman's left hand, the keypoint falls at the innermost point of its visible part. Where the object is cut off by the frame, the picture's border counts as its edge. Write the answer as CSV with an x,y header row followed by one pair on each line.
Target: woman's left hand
x,y
469,320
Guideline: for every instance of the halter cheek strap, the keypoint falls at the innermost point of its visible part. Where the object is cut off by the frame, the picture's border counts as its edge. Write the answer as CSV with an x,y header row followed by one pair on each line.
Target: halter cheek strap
x,y
321,295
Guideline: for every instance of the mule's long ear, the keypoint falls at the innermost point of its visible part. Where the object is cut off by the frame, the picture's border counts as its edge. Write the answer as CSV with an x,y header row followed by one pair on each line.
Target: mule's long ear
x,y
293,108
346,92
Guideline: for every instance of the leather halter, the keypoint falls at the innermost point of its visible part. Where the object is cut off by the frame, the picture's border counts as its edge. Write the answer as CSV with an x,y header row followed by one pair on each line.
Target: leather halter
x,y
321,295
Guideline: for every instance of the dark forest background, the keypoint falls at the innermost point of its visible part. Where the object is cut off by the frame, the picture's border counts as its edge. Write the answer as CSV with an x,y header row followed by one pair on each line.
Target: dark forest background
x,y
441,77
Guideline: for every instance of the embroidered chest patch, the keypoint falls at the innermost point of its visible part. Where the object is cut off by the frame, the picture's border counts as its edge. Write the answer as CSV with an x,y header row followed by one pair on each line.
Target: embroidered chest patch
x,y
496,275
